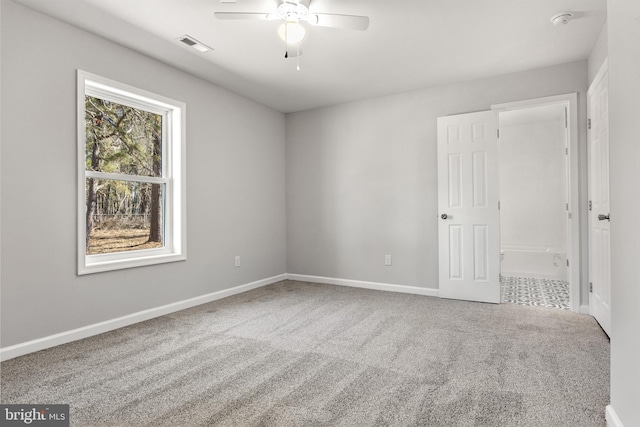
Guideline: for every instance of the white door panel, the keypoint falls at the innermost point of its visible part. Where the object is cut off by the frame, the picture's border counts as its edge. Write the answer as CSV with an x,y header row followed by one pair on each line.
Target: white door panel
x,y
469,223
599,225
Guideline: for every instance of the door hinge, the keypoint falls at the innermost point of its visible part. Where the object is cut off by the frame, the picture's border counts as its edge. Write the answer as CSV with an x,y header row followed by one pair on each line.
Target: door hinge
x,y
589,124
566,151
498,204
566,118
590,287
567,206
498,133
590,205
567,263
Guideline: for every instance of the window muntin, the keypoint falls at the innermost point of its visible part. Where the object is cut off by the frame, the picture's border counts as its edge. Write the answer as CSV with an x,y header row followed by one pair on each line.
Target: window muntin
x,y
131,177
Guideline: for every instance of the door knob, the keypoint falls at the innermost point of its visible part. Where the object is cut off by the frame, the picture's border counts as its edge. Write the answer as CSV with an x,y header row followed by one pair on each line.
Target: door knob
x,y
602,217
444,216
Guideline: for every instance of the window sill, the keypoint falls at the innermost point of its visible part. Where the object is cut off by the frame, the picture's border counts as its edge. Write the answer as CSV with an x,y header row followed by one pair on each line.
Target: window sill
x,y
96,266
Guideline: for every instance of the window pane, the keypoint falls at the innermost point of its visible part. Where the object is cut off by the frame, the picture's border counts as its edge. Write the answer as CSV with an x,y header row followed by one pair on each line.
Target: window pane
x,y
123,216
121,139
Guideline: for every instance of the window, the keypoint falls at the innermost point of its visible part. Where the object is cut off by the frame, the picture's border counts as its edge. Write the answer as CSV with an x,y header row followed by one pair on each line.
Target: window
x,y
131,177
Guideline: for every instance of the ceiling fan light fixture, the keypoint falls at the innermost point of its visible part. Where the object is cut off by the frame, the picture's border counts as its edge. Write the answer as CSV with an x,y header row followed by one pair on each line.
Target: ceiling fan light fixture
x,y
291,32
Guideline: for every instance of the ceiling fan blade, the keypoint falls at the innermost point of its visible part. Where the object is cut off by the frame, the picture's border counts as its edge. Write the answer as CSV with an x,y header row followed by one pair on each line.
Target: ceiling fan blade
x,y
243,15
352,22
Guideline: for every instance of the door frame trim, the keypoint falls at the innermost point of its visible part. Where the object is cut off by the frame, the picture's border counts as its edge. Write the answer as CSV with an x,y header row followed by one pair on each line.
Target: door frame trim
x,y
570,101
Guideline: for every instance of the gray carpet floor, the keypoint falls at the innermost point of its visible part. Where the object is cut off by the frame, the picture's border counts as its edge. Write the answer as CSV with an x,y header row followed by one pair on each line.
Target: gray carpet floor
x,y
301,354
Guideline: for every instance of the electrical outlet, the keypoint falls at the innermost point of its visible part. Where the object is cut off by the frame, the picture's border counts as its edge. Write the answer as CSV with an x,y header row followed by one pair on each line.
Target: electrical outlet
x,y
238,261
387,260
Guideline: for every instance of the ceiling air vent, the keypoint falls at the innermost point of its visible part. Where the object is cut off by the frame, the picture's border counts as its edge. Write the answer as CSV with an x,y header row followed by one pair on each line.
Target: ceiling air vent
x,y
191,42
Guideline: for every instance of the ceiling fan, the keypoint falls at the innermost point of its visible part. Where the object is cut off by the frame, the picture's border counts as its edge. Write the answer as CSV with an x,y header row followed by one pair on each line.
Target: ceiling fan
x,y
293,12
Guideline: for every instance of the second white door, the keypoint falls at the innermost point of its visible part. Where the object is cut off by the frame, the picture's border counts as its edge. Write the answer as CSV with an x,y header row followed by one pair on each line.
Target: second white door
x,y
599,236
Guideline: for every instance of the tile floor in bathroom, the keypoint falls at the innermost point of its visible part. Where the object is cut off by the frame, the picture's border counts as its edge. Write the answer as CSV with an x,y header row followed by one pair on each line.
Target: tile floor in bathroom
x,y
535,292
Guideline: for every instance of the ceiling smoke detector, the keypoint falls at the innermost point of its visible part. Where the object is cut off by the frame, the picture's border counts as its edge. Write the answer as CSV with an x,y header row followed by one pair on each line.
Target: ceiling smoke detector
x,y
562,18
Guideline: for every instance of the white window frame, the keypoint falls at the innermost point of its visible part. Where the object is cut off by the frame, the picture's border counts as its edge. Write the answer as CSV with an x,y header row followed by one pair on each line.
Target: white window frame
x,y
173,175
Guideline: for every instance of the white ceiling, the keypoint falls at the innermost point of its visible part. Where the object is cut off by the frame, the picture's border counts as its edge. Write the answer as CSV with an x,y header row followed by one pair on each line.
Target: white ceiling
x,y
410,44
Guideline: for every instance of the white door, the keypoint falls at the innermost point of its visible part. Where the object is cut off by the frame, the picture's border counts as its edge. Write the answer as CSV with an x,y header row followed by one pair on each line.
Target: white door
x,y
469,219
599,236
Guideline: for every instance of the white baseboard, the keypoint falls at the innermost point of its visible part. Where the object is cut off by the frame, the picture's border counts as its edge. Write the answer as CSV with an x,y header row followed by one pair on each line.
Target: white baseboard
x,y
109,325
584,309
367,285
612,418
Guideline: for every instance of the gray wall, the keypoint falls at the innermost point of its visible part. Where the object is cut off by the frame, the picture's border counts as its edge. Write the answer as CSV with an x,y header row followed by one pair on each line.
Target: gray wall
x,y
362,180
624,137
235,176
598,53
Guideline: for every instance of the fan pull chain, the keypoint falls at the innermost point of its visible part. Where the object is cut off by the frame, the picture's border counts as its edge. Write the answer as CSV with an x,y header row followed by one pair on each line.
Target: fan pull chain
x,y
286,37
286,46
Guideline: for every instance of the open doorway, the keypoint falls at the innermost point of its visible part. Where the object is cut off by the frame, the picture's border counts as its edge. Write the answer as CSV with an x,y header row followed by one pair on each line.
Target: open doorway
x,y
574,243
469,203
534,206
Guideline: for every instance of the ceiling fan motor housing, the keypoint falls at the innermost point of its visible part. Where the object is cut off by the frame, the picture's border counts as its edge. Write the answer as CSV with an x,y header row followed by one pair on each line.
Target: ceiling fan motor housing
x,y
293,10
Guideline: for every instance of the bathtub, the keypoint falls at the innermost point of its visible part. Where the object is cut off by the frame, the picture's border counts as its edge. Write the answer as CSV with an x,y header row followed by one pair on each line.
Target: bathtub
x,y
538,262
